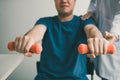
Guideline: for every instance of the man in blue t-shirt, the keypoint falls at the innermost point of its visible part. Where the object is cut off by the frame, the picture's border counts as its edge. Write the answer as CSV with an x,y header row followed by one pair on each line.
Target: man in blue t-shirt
x,y
60,36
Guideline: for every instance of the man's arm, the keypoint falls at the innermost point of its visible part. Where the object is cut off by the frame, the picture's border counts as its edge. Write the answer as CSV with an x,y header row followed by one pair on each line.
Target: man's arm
x,y
23,43
37,32
96,43
92,31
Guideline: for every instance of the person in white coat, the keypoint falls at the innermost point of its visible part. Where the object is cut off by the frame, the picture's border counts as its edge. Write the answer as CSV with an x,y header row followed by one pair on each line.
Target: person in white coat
x,y
107,16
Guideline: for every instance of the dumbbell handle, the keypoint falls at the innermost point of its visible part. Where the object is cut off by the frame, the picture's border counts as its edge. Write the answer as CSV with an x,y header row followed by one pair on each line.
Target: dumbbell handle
x,y
35,48
83,49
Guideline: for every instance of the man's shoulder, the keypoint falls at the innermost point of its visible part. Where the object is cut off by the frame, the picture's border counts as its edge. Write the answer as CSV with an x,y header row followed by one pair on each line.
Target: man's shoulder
x,y
78,17
45,20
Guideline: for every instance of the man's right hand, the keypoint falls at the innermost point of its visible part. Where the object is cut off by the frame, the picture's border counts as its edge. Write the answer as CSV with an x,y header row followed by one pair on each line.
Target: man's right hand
x,y
97,46
23,45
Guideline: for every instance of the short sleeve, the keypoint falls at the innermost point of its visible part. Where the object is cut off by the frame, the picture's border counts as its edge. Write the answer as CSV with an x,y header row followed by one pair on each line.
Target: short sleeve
x,y
43,21
89,21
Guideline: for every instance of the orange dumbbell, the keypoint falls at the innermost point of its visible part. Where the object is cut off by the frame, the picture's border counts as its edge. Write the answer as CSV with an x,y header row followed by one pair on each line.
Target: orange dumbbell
x,y
35,48
83,49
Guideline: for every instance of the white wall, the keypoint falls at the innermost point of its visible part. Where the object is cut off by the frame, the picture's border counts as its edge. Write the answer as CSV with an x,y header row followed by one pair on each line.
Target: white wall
x,y
17,17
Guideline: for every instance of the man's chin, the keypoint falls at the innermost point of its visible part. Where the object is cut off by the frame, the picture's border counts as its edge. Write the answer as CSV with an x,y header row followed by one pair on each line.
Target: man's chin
x,y
64,14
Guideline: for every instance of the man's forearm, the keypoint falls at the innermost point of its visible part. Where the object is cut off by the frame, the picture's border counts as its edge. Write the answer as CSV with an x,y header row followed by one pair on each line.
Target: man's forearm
x,y
37,32
92,32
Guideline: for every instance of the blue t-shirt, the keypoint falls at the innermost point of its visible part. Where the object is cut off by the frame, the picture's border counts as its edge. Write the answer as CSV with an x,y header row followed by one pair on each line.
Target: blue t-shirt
x,y
60,58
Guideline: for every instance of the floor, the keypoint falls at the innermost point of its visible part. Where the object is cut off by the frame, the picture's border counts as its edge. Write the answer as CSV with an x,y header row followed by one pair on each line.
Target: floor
x,y
95,77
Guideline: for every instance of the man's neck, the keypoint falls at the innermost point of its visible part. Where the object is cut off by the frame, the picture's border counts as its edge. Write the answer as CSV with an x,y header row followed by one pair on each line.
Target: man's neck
x,y
65,18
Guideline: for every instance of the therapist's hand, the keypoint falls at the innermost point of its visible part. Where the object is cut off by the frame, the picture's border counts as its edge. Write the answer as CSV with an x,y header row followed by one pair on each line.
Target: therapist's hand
x,y
87,15
110,37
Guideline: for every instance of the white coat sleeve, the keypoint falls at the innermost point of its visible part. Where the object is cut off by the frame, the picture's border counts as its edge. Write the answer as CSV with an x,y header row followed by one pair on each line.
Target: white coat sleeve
x,y
116,23
92,6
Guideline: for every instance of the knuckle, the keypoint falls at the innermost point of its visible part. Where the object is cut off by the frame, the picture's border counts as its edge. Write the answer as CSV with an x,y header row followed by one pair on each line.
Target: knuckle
x,y
100,40
95,39
89,40
25,37
101,52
